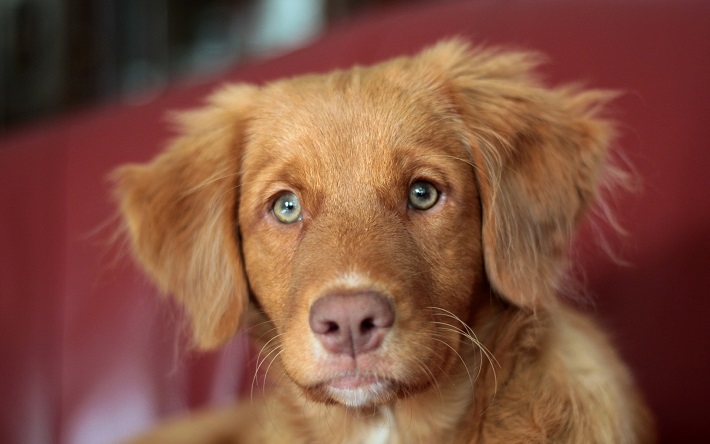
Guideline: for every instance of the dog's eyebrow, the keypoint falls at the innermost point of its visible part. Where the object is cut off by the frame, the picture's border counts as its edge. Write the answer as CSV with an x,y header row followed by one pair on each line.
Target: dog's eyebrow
x,y
449,156
262,181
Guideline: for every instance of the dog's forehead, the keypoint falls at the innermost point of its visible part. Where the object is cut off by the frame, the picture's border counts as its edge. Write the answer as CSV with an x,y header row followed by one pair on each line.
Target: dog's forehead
x,y
355,118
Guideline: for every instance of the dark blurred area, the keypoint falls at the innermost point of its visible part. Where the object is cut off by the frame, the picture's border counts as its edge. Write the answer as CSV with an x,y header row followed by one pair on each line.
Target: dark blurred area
x,y
60,56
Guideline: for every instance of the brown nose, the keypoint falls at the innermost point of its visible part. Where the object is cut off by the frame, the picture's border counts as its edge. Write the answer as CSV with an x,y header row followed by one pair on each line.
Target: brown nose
x,y
351,324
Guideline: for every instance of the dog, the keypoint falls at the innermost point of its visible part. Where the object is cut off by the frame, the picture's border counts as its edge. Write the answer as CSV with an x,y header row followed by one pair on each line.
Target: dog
x,y
393,237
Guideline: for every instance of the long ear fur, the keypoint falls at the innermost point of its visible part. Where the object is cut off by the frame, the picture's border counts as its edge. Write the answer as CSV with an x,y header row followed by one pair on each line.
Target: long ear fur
x,y
539,155
180,213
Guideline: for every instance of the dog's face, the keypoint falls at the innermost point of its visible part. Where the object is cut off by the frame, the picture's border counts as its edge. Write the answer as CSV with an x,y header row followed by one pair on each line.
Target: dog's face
x,y
362,212
359,216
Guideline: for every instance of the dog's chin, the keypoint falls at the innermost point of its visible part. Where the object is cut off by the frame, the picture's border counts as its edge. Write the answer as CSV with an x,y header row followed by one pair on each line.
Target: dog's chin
x,y
359,391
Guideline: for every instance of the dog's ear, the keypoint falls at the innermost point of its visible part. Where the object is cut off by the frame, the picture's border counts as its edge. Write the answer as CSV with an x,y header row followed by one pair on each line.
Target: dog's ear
x,y
539,155
180,214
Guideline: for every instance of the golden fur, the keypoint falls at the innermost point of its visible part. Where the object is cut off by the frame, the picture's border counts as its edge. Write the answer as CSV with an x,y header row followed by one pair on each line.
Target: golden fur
x,y
480,349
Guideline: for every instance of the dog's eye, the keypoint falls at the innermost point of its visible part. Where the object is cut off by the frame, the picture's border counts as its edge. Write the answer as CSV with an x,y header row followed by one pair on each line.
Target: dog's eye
x,y
422,195
287,208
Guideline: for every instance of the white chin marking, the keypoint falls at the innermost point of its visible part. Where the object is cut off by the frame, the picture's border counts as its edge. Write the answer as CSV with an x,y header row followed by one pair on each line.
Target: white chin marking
x,y
360,396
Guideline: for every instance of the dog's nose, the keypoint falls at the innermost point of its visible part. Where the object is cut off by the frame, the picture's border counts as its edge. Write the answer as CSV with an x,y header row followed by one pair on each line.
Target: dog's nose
x,y
351,324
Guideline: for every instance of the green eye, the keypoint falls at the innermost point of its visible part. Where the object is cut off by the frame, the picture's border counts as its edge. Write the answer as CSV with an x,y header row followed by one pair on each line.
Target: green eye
x,y
422,195
287,208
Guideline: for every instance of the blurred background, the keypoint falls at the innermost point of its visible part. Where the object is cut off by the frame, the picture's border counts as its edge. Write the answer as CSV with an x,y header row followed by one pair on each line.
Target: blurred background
x,y
57,56
89,352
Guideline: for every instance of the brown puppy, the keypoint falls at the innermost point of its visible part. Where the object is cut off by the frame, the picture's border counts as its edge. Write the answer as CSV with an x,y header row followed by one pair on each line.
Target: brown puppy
x,y
394,237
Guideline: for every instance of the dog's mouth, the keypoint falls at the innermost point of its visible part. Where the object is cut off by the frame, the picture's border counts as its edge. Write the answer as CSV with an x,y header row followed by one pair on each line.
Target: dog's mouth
x,y
352,381
359,390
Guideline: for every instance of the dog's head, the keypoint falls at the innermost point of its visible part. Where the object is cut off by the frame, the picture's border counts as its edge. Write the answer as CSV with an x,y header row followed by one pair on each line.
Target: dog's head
x,y
362,211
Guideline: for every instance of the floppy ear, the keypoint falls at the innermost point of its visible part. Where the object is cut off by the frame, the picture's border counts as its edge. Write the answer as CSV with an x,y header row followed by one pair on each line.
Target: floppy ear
x,y
180,214
539,155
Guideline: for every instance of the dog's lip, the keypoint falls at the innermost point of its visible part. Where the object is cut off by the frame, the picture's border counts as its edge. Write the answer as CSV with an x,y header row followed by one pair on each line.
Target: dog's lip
x,y
360,390
351,381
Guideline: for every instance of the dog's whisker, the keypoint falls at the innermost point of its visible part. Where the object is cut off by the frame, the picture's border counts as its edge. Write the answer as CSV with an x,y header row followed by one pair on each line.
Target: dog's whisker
x,y
466,334
266,345
266,373
478,367
459,356
469,332
256,376
471,336
264,333
483,350
441,370
266,406
260,362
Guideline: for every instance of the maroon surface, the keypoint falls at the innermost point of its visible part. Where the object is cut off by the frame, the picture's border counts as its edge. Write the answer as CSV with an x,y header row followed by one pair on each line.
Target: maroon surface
x,y
87,353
